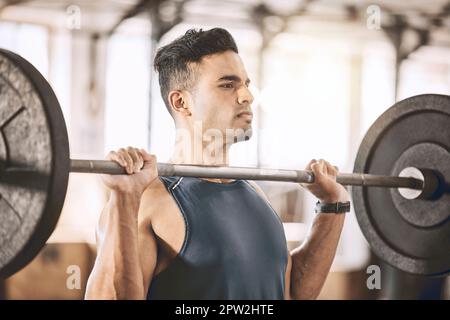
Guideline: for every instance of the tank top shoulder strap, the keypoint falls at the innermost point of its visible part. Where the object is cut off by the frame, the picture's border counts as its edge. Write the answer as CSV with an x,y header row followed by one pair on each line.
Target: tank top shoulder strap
x,y
170,182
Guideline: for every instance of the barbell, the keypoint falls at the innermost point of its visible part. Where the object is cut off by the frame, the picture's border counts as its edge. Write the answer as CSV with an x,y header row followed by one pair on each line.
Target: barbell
x,y
400,182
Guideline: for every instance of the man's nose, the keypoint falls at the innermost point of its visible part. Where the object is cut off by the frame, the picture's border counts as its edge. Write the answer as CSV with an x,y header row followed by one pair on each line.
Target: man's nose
x,y
245,96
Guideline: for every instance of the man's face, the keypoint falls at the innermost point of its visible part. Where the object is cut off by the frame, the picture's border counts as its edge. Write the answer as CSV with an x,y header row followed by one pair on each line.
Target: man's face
x,y
221,97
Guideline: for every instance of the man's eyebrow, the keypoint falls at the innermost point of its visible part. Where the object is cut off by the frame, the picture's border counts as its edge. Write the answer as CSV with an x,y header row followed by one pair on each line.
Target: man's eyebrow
x,y
232,78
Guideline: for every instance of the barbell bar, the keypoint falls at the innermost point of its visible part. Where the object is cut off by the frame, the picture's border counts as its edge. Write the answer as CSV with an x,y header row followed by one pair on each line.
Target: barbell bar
x,y
225,172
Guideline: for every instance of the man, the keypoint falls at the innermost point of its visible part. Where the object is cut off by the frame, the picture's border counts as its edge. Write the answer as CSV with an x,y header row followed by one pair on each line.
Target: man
x,y
191,238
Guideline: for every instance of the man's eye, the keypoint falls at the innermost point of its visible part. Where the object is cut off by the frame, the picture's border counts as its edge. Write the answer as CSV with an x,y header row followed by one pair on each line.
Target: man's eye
x,y
227,85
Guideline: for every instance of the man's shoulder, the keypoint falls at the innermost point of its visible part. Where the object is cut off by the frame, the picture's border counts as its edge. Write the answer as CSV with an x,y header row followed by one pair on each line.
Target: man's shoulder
x,y
156,187
258,189
155,199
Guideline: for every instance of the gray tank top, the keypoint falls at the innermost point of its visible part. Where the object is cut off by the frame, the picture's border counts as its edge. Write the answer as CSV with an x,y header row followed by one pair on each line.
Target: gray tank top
x,y
234,247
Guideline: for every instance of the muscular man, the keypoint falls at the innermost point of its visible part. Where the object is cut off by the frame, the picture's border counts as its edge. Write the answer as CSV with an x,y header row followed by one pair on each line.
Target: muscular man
x,y
192,238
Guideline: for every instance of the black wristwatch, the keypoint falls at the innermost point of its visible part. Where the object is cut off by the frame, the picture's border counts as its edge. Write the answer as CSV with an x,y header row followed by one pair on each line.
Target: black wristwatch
x,y
337,207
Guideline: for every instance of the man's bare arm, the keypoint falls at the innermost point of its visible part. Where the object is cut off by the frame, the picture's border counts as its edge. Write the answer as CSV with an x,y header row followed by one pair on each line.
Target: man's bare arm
x,y
311,262
117,273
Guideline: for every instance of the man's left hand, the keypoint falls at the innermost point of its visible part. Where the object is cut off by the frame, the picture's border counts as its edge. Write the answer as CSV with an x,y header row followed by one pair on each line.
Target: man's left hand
x,y
325,187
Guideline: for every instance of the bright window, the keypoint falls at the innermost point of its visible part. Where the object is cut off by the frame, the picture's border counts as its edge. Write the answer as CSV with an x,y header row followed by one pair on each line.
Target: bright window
x,y
127,92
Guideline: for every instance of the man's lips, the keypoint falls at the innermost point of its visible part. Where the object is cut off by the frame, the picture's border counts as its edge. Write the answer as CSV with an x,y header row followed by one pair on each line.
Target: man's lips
x,y
245,114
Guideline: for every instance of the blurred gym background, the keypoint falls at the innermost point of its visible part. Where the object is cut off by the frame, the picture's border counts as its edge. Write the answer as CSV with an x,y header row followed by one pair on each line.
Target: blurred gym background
x,y
322,72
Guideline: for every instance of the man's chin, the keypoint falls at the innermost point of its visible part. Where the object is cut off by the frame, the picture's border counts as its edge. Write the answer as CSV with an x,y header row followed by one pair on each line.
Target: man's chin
x,y
243,134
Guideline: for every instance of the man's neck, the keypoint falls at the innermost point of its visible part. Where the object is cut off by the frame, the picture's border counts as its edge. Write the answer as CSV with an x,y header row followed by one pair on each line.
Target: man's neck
x,y
205,154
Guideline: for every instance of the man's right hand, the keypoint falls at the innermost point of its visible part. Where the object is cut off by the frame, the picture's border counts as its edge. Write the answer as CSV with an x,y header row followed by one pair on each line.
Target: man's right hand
x,y
140,167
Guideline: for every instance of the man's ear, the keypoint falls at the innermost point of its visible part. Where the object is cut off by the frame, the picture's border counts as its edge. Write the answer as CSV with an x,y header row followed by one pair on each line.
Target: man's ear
x,y
178,101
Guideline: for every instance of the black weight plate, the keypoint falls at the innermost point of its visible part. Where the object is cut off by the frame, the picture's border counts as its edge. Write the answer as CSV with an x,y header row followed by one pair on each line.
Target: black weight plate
x,y
34,162
411,235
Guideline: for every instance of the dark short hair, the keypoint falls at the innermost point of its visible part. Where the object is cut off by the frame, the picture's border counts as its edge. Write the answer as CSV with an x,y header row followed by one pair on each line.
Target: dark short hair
x,y
174,61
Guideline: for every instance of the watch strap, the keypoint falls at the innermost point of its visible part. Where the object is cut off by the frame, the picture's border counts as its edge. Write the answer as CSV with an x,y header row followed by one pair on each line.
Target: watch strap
x,y
337,207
